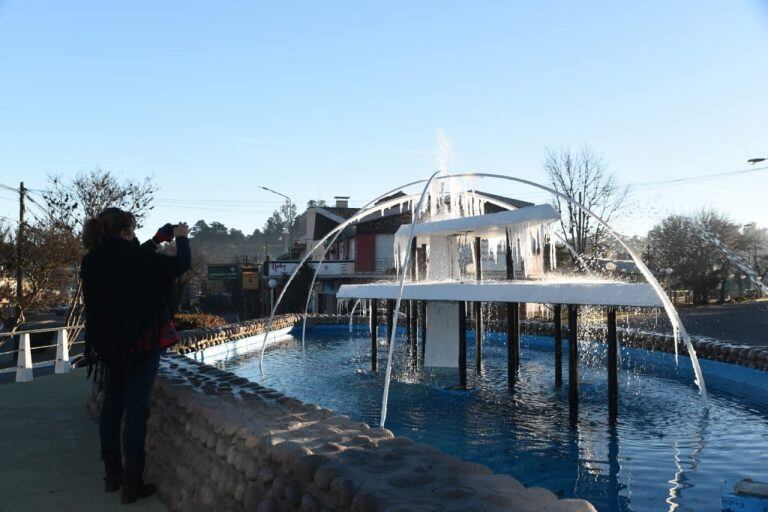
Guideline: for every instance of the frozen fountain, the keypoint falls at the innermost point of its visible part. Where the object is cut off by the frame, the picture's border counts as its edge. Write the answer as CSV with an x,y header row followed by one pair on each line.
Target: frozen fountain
x,y
439,257
524,236
461,378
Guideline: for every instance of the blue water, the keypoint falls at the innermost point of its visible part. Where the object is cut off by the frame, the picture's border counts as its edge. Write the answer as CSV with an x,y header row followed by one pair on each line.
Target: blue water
x,y
666,453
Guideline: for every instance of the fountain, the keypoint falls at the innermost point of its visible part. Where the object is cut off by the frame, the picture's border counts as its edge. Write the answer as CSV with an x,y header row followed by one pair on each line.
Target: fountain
x,y
451,221
454,257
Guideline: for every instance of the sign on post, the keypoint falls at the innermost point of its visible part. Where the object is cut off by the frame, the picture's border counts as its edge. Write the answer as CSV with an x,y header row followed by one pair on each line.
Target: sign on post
x,y
327,269
250,280
226,272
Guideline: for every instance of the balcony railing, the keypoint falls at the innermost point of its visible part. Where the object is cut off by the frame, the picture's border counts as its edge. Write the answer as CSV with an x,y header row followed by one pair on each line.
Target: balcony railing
x,y
24,367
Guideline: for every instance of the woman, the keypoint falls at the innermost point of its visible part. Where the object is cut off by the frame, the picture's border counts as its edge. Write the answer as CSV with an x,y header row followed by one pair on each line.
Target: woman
x,y
128,324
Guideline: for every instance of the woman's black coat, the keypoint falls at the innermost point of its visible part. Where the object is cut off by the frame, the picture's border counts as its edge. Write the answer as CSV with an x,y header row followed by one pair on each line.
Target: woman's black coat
x,y
125,293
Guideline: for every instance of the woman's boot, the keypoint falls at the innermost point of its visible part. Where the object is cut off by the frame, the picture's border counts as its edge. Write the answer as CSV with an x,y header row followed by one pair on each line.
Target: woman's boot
x,y
134,487
113,467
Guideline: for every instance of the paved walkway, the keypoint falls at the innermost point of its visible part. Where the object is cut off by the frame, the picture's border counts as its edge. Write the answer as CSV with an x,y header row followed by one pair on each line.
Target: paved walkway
x,y
49,450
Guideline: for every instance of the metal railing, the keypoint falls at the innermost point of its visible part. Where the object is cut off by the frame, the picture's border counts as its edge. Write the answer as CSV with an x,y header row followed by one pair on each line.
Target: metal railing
x,y
24,366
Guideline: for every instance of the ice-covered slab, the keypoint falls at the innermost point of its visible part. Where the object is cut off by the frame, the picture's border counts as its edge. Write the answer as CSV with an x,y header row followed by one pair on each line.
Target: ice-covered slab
x,y
492,224
583,292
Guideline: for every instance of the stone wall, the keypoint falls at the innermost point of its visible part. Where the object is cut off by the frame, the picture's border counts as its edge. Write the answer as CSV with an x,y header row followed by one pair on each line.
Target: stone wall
x,y
707,348
197,339
218,442
221,443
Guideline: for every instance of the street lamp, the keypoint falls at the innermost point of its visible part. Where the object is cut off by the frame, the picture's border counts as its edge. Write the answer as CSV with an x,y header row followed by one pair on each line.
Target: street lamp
x,y
669,271
753,161
754,242
289,219
272,285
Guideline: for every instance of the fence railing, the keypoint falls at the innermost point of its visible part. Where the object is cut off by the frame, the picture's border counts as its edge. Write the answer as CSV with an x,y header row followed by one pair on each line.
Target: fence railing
x,y
24,367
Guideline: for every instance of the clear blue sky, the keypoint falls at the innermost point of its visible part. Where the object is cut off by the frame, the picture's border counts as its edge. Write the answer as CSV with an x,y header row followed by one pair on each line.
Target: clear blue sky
x,y
317,99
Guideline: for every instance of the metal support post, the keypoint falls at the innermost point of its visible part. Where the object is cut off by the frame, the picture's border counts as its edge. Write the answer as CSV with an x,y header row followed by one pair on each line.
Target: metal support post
x,y
374,335
558,312
423,321
513,342
478,306
613,367
390,316
573,365
413,337
462,344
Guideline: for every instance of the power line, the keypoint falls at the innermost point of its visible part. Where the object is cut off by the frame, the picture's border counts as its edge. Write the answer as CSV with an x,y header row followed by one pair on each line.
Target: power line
x,y
699,178
170,200
214,209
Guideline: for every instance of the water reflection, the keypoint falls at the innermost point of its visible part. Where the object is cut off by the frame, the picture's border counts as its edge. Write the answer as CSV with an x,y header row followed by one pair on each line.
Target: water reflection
x,y
680,480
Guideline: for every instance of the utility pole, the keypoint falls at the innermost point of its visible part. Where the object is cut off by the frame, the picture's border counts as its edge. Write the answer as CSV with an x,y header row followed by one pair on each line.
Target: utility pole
x,y
19,241
19,273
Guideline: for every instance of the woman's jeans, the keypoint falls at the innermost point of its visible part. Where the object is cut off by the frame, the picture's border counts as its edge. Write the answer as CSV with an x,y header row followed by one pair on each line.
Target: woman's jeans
x,y
127,387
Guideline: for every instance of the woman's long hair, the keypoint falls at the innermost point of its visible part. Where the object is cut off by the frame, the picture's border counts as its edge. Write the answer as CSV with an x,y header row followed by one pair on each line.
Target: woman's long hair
x,y
107,225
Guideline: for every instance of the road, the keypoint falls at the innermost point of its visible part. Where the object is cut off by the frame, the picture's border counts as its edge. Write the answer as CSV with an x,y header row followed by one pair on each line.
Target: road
x,y
743,323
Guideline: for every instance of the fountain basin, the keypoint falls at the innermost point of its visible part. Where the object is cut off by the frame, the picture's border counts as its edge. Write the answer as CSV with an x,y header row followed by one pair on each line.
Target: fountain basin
x,y
665,451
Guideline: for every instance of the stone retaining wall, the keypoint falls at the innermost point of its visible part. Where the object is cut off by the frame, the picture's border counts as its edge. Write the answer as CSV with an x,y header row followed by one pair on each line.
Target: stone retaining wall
x,y
707,348
197,339
218,442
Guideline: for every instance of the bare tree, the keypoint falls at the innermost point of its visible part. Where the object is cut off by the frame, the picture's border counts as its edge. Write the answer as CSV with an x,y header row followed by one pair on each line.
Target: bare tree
x,y
70,203
584,177
48,258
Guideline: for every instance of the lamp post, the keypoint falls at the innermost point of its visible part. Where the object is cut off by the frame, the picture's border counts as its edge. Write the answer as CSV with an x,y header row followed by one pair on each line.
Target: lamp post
x,y
669,271
289,219
272,284
754,242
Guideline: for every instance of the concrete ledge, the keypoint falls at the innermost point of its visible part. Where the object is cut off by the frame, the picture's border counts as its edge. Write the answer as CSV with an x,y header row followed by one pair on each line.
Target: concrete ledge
x,y
220,442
